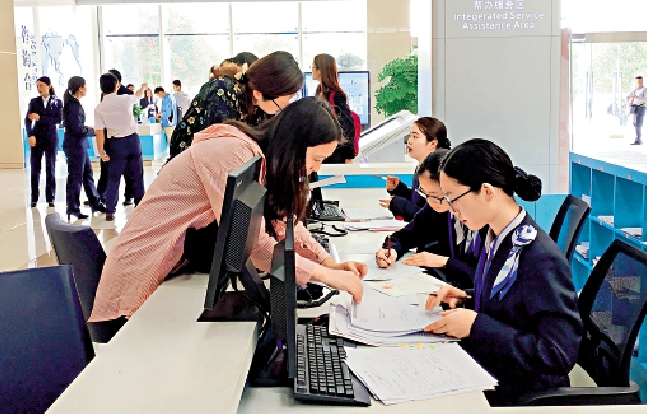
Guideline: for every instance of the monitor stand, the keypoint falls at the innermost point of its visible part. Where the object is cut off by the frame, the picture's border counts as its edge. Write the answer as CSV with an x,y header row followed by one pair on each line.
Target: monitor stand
x,y
233,306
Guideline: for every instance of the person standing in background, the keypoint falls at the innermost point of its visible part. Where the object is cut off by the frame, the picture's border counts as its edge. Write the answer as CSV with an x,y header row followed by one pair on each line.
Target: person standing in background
x,y
75,145
168,111
124,152
324,70
148,104
43,114
637,101
131,87
182,99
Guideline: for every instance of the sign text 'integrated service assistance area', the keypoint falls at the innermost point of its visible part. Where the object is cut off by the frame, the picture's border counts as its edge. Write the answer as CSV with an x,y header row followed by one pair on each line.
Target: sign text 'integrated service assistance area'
x,y
499,15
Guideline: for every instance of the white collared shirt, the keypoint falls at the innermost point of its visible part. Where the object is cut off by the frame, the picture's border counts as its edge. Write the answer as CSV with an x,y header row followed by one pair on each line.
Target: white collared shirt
x,y
115,113
46,101
490,238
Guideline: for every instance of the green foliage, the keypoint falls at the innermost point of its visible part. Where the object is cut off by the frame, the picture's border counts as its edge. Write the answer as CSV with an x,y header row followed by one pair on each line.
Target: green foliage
x,y
401,90
137,111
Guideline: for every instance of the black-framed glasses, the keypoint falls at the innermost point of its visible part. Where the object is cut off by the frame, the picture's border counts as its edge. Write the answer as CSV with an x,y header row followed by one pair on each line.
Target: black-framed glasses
x,y
428,197
451,202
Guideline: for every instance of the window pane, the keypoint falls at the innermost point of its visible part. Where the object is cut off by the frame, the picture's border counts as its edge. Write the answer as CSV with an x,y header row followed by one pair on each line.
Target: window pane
x,y
333,16
261,18
137,58
130,19
349,49
66,50
263,45
193,55
196,18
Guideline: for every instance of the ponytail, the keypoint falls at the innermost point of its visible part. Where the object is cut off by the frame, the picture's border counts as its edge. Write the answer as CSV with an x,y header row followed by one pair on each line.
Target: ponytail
x,y
479,161
434,130
51,91
73,85
527,186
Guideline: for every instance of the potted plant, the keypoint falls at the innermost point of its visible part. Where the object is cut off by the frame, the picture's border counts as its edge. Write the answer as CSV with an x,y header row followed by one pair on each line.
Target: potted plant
x,y
401,89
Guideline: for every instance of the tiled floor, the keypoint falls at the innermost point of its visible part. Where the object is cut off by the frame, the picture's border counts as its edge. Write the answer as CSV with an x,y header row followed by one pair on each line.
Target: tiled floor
x,y
23,239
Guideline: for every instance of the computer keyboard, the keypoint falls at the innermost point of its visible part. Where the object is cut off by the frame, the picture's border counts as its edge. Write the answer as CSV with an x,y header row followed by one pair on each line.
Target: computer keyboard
x,y
322,375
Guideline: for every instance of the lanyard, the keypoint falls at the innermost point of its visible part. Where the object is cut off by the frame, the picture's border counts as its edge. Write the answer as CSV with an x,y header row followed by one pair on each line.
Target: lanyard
x,y
485,260
450,226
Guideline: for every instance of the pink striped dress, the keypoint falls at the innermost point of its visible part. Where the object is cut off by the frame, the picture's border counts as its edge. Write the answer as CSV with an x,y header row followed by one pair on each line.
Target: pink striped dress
x,y
187,193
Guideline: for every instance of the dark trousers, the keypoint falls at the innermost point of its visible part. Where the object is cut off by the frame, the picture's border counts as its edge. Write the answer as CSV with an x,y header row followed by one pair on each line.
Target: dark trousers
x,y
639,117
79,173
125,155
47,147
102,184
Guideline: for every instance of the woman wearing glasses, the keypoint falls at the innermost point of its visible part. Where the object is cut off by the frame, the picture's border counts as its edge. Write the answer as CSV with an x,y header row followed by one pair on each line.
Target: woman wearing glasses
x,y
523,324
442,241
247,95
427,135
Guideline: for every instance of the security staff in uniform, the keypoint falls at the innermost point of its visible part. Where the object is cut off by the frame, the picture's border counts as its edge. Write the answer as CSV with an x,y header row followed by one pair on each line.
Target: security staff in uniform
x,y
43,114
638,99
75,145
124,152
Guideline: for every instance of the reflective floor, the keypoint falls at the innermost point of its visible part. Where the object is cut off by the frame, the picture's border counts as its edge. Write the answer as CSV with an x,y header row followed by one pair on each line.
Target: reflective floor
x,y
23,239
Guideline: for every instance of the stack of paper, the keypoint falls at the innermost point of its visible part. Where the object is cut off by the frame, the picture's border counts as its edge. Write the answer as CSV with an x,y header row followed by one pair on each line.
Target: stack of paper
x,y
382,320
376,225
363,214
395,375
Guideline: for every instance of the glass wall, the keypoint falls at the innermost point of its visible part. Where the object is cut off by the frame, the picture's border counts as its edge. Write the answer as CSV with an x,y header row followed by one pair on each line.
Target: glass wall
x,y
609,49
132,43
197,37
158,43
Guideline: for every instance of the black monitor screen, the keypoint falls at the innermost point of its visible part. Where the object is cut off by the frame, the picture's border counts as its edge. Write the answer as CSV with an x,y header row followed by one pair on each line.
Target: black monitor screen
x,y
356,85
238,230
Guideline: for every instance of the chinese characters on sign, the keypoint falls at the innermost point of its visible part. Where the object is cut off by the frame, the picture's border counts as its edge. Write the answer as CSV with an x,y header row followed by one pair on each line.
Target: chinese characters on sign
x,y
29,58
499,15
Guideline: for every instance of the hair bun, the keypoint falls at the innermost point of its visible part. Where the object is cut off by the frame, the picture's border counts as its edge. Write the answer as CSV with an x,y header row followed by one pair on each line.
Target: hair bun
x,y
527,186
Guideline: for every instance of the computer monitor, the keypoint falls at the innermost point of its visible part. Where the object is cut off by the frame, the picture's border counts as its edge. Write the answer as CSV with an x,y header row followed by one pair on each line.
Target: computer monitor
x,y
283,295
374,142
238,230
356,85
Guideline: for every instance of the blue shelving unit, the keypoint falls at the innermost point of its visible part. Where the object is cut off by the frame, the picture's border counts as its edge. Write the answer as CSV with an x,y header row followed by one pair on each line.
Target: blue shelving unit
x,y
618,198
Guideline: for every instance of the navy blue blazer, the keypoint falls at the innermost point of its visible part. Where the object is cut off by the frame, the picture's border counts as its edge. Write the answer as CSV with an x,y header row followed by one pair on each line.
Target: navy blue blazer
x,y
75,130
529,340
406,201
430,231
45,128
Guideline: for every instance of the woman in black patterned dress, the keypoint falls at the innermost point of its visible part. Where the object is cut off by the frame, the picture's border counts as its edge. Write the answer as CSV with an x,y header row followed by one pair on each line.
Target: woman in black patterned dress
x,y
248,95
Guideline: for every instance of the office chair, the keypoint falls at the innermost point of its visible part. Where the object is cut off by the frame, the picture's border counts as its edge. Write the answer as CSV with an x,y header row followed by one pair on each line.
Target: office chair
x,y
44,342
79,247
612,306
568,224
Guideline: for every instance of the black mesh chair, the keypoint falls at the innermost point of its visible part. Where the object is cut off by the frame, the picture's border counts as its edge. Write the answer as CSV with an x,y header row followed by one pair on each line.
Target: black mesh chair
x,y
44,343
79,246
568,224
612,305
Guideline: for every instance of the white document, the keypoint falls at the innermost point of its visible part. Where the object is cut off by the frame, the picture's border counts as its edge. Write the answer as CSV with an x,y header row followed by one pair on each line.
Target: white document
x,y
408,285
396,271
363,214
395,314
335,179
383,225
395,375
340,325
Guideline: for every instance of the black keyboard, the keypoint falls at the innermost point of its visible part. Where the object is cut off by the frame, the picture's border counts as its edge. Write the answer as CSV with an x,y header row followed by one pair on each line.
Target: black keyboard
x,y
322,240
322,375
